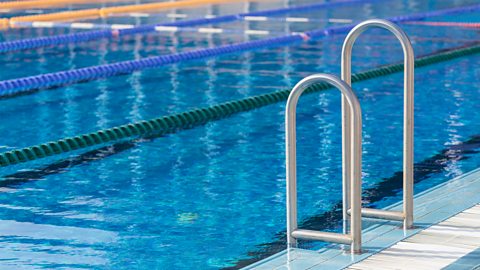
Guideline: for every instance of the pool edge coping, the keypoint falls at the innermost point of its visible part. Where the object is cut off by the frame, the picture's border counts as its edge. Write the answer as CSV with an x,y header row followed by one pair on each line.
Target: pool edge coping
x,y
331,253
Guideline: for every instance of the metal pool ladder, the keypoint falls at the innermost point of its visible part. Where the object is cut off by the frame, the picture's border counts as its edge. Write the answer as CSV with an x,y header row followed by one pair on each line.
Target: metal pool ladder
x,y
354,237
409,60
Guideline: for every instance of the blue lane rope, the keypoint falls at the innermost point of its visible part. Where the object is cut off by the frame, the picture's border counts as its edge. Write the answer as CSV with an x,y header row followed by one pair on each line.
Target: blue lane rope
x,y
86,36
280,11
28,84
32,43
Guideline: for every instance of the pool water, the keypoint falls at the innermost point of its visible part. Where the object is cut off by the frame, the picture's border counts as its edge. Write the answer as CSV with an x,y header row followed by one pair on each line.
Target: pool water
x,y
213,197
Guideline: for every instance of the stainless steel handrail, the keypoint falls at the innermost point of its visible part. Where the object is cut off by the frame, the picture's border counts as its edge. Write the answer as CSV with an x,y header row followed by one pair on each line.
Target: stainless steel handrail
x,y
354,237
407,214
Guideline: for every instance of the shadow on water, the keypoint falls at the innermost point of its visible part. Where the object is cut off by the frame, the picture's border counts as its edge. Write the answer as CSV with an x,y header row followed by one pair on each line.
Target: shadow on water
x,y
63,166
329,220
387,187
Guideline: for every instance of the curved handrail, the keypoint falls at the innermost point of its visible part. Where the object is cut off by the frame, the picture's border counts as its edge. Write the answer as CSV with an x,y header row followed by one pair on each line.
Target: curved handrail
x,y
409,62
354,237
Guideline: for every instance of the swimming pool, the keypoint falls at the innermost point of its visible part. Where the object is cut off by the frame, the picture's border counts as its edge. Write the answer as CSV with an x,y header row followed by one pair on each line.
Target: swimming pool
x,y
213,197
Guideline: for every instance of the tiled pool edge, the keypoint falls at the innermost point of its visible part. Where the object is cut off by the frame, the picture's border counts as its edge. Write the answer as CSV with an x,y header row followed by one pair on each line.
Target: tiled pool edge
x,y
431,207
450,243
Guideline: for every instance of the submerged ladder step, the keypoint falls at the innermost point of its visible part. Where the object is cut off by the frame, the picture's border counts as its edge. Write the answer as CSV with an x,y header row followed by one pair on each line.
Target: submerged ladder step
x,y
322,236
382,214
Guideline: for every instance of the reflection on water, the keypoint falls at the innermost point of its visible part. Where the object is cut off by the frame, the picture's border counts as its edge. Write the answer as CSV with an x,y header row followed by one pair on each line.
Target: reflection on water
x,y
31,245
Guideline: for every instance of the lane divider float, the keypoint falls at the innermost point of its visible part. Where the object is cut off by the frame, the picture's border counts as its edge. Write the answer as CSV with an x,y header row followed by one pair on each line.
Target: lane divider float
x,y
96,13
190,119
447,24
247,18
78,25
31,43
169,29
17,86
29,4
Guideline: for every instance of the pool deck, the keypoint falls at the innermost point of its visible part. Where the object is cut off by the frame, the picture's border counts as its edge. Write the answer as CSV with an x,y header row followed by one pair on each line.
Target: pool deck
x,y
433,248
447,231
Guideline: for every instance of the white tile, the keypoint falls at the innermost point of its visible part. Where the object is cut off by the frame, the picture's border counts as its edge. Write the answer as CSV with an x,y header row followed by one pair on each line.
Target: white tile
x,y
434,248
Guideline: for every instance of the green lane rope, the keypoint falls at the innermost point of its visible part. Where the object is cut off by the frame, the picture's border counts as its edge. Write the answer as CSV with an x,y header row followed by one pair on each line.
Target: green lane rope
x,y
173,123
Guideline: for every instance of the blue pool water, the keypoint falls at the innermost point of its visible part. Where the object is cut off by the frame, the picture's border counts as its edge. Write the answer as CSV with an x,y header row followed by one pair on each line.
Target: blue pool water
x,y
213,197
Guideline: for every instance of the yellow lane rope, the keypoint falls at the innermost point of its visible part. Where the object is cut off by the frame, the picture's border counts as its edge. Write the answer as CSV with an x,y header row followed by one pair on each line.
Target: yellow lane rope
x,y
29,4
107,11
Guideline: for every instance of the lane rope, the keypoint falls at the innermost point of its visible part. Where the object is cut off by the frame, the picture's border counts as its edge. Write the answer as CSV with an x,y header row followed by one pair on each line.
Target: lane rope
x,y
48,3
447,24
13,87
213,30
173,123
249,18
31,43
162,29
96,13
77,25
